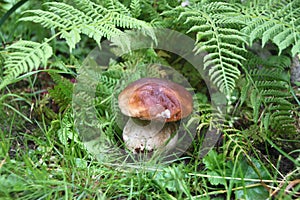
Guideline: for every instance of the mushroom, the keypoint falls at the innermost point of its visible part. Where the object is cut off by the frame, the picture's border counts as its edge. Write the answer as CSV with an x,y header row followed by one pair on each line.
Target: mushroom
x,y
154,106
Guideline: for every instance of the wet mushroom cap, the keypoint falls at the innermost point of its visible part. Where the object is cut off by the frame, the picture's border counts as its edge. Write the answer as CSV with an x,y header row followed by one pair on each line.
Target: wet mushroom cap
x,y
151,98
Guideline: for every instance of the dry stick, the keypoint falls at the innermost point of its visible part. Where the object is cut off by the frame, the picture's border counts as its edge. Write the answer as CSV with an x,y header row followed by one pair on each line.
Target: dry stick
x,y
290,185
2,163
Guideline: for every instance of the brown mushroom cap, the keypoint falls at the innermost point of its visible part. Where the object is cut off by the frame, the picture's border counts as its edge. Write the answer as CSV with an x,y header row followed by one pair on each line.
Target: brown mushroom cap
x,y
151,98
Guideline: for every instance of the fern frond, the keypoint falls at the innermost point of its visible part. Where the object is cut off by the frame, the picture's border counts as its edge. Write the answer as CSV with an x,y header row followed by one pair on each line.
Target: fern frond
x,y
107,84
277,21
223,43
271,92
62,91
87,18
24,56
68,20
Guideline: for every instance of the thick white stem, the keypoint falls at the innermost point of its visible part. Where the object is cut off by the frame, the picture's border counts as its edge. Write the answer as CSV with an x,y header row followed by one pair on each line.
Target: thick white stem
x,y
153,136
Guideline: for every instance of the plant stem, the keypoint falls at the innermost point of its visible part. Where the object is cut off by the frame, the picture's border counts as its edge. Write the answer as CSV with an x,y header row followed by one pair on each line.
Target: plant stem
x,y
11,10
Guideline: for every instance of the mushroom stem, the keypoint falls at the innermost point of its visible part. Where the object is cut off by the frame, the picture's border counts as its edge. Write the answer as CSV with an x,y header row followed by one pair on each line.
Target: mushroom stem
x,y
141,135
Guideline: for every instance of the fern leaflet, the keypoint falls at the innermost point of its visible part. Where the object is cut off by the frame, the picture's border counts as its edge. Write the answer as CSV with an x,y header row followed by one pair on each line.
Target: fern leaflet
x,y
135,8
24,56
62,91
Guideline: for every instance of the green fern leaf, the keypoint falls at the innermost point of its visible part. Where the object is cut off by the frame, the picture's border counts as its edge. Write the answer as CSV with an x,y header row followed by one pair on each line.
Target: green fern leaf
x,y
72,37
276,21
24,56
46,19
262,84
296,48
126,21
273,95
135,8
216,36
85,17
278,101
216,7
78,20
62,91
270,32
116,6
272,92
95,11
269,74
284,39
257,29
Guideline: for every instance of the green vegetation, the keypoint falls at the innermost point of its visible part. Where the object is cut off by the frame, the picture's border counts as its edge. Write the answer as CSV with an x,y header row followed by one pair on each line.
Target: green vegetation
x,y
251,53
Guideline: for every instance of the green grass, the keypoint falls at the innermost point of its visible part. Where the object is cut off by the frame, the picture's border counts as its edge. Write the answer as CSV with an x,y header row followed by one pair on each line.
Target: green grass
x,y
37,165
